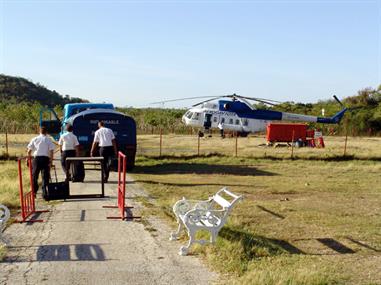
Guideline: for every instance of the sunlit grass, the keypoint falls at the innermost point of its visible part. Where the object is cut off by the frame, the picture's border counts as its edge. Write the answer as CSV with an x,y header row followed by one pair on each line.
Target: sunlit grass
x,y
291,208
9,191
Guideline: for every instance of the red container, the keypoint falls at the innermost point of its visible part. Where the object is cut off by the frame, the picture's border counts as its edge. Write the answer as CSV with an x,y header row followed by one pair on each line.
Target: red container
x,y
277,132
310,133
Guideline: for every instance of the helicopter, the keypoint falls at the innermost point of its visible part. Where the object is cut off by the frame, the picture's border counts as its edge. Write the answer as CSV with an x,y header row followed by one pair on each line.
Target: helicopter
x,y
235,113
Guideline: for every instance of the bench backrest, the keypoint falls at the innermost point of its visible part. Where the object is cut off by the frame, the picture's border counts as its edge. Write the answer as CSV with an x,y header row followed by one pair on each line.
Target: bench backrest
x,y
224,203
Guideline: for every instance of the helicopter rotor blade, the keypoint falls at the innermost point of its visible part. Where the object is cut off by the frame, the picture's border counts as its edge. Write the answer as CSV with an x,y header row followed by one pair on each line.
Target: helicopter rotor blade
x,y
211,99
264,101
179,99
337,99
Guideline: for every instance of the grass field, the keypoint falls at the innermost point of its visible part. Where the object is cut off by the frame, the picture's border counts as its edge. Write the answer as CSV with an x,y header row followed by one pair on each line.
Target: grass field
x,y
312,220
252,146
301,222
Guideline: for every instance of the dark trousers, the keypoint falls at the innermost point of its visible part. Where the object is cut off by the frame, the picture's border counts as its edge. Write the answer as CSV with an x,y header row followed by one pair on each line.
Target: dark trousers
x,y
108,153
64,155
40,164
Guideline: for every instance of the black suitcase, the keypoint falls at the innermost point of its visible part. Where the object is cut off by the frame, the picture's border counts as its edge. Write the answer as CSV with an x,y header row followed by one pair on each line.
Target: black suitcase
x,y
56,190
77,170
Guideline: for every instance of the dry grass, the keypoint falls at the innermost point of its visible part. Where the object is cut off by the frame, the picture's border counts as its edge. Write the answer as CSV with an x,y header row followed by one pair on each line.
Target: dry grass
x,y
16,144
254,146
302,222
315,220
9,184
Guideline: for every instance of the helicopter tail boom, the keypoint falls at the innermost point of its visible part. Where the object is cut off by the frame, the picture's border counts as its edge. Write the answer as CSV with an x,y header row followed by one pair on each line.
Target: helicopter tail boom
x,y
335,119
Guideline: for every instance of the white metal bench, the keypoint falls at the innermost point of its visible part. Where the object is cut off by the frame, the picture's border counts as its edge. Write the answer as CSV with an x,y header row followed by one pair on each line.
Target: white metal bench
x,y
4,217
209,215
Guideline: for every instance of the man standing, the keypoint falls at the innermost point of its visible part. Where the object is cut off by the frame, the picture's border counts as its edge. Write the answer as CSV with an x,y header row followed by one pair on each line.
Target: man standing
x,y
221,127
69,147
104,137
42,148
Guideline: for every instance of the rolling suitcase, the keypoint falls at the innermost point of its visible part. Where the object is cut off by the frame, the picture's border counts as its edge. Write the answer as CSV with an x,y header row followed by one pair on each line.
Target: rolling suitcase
x,y
77,170
56,190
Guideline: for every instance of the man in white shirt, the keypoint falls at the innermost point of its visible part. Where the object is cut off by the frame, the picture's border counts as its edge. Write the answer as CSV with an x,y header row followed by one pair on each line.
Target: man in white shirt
x,y
42,148
221,127
69,147
105,139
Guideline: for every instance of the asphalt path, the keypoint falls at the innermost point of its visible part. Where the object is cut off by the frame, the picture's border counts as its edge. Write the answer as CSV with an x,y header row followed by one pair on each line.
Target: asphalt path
x,y
77,244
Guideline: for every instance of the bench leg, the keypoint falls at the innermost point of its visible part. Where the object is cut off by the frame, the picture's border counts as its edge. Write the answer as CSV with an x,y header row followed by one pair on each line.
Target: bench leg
x,y
175,235
213,236
184,249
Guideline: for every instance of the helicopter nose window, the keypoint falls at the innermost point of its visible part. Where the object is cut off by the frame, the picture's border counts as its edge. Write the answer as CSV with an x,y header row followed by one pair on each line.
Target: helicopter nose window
x,y
188,114
196,116
226,106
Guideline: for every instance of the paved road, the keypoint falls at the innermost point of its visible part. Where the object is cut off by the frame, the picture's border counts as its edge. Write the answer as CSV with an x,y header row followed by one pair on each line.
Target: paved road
x,y
78,245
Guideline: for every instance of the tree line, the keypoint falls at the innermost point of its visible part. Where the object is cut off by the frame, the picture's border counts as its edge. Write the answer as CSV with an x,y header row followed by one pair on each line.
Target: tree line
x,y
21,101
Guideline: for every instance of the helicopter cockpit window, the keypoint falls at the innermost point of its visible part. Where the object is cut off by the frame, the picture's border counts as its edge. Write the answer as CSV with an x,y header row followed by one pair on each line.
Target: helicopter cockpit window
x,y
196,116
231,121
188,114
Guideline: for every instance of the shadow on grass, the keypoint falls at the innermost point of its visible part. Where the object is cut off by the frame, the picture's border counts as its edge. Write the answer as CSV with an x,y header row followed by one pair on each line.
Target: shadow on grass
x,y
255,246
335,245
201,168
363,244
279,216
190,184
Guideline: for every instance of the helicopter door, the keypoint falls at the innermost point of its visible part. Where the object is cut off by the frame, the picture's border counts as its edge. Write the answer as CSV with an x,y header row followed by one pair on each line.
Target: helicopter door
x,y
208,121
49,120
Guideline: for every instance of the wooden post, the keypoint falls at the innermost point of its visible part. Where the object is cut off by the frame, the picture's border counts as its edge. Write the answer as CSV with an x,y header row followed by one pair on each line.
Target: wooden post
x,y
236,144
198,145
346,139
161,140
6,142
292,144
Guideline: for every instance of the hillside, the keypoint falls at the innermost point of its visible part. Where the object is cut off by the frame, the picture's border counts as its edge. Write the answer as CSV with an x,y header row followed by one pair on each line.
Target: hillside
x,y
18,89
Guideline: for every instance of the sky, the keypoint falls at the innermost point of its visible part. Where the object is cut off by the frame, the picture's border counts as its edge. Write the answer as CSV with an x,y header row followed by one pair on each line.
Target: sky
x,y
132,53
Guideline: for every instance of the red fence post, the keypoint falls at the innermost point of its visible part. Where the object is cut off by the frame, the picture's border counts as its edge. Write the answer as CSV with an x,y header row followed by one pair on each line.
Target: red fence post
x,y
121,189
27,201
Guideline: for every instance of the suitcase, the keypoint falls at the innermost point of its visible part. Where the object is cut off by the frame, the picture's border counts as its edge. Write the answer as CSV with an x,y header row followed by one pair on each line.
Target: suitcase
x,y
56,190
77,170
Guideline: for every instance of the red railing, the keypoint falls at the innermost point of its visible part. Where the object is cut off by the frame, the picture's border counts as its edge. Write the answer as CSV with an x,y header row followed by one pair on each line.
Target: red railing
x,y
121,189
27,200
122,184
